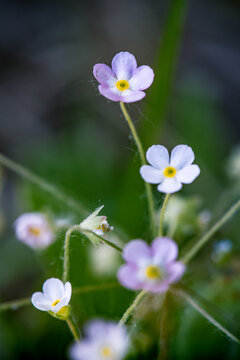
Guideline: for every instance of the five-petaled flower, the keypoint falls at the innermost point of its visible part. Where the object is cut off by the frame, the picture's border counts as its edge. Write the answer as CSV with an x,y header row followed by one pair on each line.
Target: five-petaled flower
x,y
171,173
34,230
152,268
124,81
54,298
97,224
104,341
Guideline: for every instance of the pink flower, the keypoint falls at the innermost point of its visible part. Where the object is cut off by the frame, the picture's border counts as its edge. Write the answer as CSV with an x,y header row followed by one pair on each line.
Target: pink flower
x,y
152,268
104,340
124,81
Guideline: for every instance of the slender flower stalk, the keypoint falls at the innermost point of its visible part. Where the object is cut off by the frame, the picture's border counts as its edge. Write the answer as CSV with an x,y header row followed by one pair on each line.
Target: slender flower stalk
x,y
132,308
15,304
73,328
143,162
204,239
43,184
161,218
206,315
66,260
164,328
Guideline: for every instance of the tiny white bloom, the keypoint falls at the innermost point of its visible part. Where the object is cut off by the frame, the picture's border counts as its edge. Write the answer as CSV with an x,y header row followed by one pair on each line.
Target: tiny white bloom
x,y
54,297
104,341
170,173
34,230
96,223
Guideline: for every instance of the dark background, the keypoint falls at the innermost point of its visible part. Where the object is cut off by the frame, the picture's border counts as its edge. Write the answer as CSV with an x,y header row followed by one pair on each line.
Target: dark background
x,y
54,122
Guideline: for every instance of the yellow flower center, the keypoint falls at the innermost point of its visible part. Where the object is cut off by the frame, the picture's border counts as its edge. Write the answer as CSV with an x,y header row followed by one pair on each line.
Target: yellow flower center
x,y
106,352
169,171
122,85
55,302
153,272
34,230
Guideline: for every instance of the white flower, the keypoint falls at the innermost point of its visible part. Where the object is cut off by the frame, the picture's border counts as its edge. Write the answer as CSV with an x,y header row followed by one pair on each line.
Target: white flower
x,y
97,224
104,341
34,230
171,173
54,298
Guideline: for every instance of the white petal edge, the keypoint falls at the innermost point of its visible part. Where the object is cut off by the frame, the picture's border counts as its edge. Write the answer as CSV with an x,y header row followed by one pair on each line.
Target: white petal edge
x,y
68,291
158,157
151,174
40,301
188,174
181,156
53,288
169,186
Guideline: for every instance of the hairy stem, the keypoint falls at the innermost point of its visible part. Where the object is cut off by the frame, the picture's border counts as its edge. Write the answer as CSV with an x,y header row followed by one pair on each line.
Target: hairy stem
x,y
204,239
143,162
132,308
73,328
43,184
66,259
206,315
160,229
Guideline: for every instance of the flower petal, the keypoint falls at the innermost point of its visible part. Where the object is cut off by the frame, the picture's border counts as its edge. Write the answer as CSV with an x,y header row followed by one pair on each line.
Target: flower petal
x,y
53,288
158,157
175,271
188,174
96,328
164,250
68,291
129,96
151,175
40,301
111,93
158,287
124,65
181,156
142,78
60,305
128,277
104,74
82,350
169,186
135,251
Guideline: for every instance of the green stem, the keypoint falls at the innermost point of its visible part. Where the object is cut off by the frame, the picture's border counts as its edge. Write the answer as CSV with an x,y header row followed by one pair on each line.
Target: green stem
x,y
207,316
132,308
66,259
15,304
43,184
143,162
73,328
204,239
160,229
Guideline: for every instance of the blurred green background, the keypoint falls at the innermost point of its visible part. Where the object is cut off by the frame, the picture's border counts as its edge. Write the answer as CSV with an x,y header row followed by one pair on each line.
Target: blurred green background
x,y
54,122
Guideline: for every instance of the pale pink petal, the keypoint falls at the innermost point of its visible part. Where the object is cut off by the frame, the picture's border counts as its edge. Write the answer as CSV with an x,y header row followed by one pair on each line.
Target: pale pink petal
x,y
169,186
142,78
104,75
181,156
135,251
158,287
151,174
110,93
124,65
95,328
188,174
164,250
129,96
175,271
82,350
128,277
158,157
